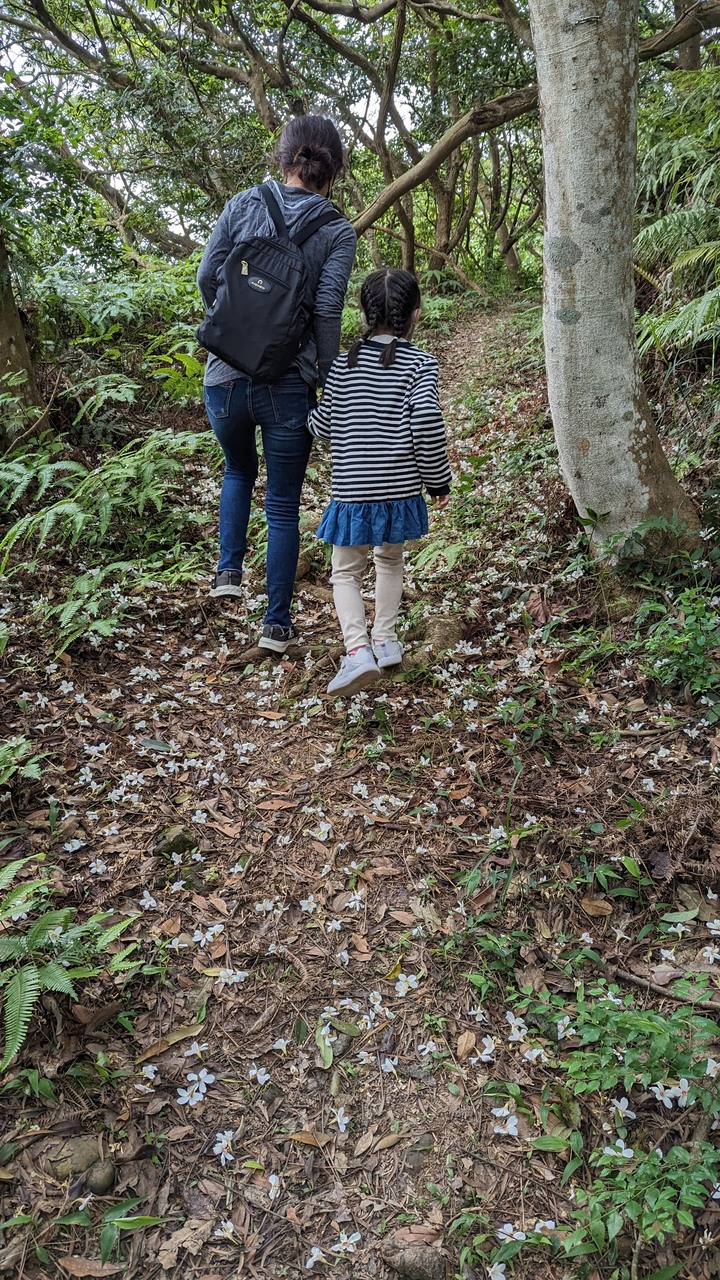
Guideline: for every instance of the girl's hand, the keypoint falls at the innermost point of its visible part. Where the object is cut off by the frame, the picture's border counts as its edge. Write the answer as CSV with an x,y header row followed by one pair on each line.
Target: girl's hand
x,y
441,500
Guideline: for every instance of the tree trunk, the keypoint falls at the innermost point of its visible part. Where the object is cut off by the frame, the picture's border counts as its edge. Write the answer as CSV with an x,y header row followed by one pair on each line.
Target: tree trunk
x,y
15,362
511,256
405,214
689,53
610,453
444,201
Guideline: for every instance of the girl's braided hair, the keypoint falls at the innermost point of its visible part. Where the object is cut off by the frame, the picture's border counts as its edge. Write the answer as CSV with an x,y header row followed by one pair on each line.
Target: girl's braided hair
x,y
388,299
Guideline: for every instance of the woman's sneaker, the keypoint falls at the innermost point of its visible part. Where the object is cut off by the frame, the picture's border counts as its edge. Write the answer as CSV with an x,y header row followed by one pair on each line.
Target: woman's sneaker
x,y
277,638
227,583
357,671
388,652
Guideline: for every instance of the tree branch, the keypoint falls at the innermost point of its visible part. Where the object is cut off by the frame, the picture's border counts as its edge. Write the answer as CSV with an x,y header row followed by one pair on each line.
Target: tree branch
x,y
703,16
391,73
362,14
437,253
102,66
517,235
359,60
517,25
482,117
357,11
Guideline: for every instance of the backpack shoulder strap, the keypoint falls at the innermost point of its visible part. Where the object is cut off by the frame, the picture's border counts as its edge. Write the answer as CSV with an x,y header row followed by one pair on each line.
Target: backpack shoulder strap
x,y
274,210
322,219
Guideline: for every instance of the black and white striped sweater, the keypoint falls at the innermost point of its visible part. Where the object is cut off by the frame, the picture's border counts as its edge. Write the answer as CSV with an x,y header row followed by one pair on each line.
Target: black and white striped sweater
x,y
385,426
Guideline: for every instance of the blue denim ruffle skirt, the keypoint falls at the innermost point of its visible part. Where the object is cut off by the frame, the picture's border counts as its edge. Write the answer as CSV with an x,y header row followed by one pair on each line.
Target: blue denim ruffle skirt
x,y
369,524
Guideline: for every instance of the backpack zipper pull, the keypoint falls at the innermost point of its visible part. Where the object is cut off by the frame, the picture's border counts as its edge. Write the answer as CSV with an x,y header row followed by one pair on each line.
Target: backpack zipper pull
x,y
244,269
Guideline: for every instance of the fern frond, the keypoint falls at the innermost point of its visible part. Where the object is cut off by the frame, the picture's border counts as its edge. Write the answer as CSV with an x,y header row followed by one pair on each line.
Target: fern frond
x,y
685,325
113,932
8,872
38,932
53,977
49,476
707,254
21,898
21,995
12,947
660,243
645,275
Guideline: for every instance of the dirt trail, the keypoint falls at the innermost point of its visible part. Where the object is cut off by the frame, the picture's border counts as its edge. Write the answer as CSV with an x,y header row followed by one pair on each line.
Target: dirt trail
x,y
310,879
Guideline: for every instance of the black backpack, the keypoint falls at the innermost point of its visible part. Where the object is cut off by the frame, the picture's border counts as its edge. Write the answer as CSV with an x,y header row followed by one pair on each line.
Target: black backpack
x,y
262,311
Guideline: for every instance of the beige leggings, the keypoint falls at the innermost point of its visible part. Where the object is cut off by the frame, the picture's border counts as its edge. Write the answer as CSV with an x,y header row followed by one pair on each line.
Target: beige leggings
x,y
348,567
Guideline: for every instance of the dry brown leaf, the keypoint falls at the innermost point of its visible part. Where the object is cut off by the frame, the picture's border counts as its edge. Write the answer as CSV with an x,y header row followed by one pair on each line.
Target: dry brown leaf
x,y
537,609
88,1267
309,1139
365,1141
172,1037
191,1237
231,829
465,1045
484,896
38,818
178,1132
418,1233
663,975
426,912
534,977
172,926
388,1140
403,917
101,1016
273,806
596,906
553,667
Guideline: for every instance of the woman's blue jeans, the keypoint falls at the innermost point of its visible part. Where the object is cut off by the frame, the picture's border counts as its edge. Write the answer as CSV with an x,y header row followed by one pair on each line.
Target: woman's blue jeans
x,y
280,410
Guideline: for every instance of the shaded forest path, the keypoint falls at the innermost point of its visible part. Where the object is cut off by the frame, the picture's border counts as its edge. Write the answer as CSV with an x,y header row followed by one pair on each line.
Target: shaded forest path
x,y
337,903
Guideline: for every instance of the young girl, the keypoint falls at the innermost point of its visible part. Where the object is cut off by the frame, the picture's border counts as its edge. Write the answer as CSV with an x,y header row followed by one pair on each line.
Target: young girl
x,y
381,414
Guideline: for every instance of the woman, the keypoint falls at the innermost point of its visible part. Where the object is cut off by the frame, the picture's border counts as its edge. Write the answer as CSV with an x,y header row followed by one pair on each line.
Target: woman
x,y
310,156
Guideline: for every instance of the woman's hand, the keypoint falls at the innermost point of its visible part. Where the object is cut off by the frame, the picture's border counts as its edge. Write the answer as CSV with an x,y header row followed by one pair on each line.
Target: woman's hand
x,y
441,500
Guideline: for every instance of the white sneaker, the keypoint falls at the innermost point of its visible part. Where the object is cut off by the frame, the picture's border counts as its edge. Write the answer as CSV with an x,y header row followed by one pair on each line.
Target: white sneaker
x,y
356,672
388,652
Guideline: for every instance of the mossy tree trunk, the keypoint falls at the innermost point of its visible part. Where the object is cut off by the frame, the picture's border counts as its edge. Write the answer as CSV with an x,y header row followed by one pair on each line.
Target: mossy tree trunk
x,y
611,456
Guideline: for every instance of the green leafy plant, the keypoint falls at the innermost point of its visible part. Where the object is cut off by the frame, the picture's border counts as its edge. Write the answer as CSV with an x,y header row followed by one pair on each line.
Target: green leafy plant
x,y
621,1044
678,245
111,503
648,1195
119,1218
19,760
50,953
98,601
683,646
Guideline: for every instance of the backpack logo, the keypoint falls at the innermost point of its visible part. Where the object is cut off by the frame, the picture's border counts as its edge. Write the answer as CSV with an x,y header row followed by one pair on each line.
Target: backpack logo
x,y
256,282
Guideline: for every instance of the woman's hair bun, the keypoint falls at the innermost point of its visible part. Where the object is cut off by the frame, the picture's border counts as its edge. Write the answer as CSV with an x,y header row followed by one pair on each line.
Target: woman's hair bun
x,y
311,147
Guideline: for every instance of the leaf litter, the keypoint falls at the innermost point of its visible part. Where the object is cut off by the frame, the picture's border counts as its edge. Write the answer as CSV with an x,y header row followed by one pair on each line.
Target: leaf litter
x,y
363,933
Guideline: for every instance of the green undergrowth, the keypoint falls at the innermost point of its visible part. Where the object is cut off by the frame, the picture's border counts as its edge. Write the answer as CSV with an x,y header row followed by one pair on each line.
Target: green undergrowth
x,y
44,948
622,1120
